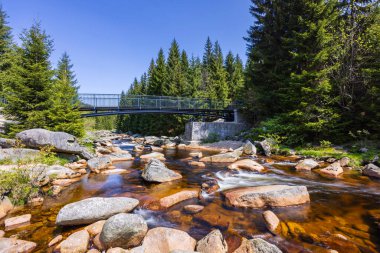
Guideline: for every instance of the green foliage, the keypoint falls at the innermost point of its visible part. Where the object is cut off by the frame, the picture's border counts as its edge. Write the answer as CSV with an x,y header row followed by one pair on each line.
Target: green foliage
x,y
313,68
63,115
28,94
18,185
211,138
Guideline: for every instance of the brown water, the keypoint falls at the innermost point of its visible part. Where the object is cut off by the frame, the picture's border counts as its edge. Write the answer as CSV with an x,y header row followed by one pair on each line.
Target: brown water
x,y
338,206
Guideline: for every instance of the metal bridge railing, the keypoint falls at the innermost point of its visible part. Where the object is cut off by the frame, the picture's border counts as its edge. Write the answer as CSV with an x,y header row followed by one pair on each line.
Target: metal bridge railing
x,y
93,101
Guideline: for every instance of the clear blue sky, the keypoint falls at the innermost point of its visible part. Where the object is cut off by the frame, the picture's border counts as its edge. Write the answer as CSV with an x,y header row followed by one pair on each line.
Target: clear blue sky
x,y
112,41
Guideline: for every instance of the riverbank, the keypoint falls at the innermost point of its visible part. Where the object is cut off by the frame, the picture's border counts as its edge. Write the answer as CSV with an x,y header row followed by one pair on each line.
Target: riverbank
x,y
204,193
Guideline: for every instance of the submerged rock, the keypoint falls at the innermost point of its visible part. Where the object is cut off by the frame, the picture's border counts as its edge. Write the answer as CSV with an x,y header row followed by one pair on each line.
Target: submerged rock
x,y
76,242
9,245
213,243
247,164
60,141
91,210
17,221
271,221
156,171
269,195
210,186
371,170
178,197
193,208
123,230
333,170
307,164
164,240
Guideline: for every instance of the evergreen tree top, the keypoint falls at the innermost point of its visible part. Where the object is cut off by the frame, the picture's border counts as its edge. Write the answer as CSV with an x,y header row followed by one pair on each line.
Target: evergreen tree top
x,y
5,32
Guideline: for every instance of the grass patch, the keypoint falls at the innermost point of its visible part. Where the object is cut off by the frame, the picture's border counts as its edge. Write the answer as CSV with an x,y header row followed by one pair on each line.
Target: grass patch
x,y
357,158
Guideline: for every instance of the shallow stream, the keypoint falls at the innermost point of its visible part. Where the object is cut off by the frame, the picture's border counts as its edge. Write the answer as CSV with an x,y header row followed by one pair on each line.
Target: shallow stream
x,y
339,206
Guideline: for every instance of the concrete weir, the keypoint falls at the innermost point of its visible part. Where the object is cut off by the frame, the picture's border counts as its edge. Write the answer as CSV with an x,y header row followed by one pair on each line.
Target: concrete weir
x,y
197,131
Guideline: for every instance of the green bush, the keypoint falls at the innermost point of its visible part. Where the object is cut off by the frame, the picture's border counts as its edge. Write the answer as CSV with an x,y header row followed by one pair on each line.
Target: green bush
x,y
18,185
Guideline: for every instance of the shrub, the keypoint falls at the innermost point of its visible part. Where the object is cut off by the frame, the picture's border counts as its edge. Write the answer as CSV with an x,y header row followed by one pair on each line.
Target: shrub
x,y
18,185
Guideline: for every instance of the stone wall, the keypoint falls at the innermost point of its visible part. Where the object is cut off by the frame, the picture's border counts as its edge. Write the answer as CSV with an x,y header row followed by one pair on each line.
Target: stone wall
x,y
196,131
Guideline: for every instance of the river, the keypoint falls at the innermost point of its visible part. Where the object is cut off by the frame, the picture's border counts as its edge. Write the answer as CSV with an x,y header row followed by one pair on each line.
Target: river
x,y
339,206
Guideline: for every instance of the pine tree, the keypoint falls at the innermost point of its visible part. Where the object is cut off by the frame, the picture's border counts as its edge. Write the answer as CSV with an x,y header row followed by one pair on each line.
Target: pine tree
x,y
158,76
6,51
235,75
206,65
267,70
218,87
63,114
195,79
186,89
29,97
174,83
309,91
120,121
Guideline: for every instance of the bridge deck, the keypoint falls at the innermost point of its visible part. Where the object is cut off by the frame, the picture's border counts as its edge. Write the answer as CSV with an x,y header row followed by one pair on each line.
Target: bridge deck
x,y
111,104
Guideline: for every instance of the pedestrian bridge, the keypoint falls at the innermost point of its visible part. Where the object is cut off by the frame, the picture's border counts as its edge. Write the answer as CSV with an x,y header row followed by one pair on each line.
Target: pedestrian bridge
x,y
93,105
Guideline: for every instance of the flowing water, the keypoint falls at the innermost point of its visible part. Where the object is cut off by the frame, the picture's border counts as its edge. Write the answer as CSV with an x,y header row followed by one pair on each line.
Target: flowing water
x,y
338,206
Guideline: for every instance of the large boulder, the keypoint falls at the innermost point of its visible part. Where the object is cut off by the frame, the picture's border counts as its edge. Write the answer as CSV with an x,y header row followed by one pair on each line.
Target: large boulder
x,y
77,242
269,195
60,142
123,230
164,240
16,154
178,197
307,165
246,164
156,171
371,170
213,243
10,245
99,163
90,210
249,148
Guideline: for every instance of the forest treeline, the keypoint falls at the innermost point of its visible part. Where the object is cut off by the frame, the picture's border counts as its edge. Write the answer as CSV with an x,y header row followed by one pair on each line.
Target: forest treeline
x,y
214,77
313,70
37,95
